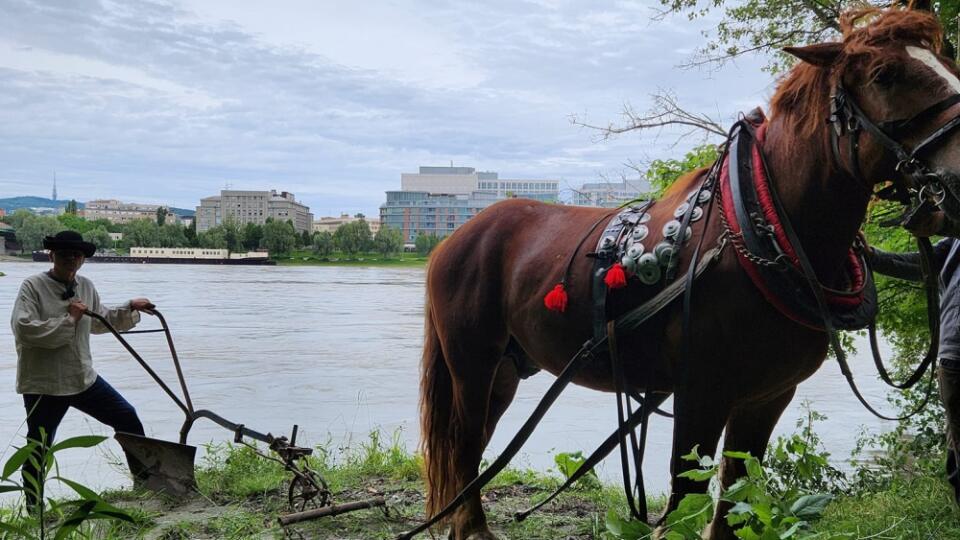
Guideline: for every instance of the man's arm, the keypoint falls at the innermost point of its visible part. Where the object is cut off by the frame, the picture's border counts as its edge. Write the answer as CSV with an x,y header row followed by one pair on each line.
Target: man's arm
x,y
29,329
122,318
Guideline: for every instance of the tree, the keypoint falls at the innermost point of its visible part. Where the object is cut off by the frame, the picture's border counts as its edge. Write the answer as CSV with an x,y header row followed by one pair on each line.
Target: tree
x,y
388,241
99,237
71,207
212,239
426,242
279,237
74,222
663,173
323,243
141,233
766,27
18,216
353,237
305,239
162,213
252,234
172,236
190,233
33,229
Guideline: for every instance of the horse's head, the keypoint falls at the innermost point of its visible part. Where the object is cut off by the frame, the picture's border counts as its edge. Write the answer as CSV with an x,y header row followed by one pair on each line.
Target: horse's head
x,y
892,102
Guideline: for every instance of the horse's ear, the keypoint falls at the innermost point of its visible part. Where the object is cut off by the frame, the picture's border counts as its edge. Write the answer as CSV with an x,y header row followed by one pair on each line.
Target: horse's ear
x,y
820,54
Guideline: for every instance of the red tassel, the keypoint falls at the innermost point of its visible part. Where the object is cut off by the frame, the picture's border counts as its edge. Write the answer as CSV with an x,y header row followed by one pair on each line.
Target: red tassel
x,y
616,278
556,299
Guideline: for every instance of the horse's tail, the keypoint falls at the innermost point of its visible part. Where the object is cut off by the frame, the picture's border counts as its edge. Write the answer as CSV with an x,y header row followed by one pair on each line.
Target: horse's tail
x,y
436,404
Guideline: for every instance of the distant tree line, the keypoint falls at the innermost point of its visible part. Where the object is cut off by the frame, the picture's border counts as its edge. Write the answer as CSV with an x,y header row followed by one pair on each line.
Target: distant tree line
x,y
276,236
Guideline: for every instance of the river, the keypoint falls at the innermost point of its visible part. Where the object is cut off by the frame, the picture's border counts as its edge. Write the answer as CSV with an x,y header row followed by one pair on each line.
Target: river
x,y
335,350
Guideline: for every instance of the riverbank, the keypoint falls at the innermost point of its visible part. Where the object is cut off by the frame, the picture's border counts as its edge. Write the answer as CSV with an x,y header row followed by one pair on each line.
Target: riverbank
x,y
241,495
307,258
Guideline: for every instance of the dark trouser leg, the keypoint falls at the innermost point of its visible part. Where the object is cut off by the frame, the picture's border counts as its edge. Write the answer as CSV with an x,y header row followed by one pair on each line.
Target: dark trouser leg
x,y
948,375
106,405
44,414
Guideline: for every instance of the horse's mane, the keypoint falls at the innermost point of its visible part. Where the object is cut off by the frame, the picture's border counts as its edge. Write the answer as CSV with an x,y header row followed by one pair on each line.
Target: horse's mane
x,y
804,94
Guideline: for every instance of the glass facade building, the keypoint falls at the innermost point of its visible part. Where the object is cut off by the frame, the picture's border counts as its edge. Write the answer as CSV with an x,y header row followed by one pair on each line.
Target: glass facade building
x,y
413,212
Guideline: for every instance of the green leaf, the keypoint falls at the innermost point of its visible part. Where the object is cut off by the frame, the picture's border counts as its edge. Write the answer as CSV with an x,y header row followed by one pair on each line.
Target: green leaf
x,y
74,520
8,489
699,475
82,490
83,441
626,529
18,531
811,506
737,455
18,459
694,455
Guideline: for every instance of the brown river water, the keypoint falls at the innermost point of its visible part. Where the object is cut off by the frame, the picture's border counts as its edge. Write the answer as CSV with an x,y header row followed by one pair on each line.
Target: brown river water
x,y
335,350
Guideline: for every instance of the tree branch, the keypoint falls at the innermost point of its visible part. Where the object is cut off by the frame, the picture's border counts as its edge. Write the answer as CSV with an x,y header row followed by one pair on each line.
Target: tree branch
x,y
666,112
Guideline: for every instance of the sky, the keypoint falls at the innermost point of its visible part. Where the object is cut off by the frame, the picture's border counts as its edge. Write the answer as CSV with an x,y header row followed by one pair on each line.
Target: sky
x,y
169,101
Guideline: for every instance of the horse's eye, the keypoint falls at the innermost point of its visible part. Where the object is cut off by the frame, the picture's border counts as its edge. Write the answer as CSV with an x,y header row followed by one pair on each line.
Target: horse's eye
x,y
884,75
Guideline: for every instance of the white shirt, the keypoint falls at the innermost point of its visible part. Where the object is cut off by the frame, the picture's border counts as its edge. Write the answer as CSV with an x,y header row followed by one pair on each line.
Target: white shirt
x,y
53,351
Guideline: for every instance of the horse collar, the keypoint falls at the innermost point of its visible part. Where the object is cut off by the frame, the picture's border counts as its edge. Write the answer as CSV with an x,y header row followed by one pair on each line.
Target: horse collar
x,y
758,228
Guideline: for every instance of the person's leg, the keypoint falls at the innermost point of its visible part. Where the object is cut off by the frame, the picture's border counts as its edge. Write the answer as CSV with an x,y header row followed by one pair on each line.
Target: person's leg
x,y
948,375
44,414
106,405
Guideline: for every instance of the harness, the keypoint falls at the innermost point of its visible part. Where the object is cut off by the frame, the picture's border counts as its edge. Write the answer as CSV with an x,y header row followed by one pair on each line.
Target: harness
x,y
768,250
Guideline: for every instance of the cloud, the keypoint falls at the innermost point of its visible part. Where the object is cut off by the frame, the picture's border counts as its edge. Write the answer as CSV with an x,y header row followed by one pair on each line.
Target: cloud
x,y
165,101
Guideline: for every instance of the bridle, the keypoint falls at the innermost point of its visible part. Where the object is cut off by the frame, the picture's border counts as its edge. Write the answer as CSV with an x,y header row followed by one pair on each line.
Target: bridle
x,y
847,118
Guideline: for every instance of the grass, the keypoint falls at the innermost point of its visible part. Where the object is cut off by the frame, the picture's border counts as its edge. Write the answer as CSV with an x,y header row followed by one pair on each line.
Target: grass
x,y
242,494
917,507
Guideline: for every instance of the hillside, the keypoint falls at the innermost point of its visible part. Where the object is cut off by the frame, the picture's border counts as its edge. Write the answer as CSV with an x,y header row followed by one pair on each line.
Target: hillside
x,y
10,204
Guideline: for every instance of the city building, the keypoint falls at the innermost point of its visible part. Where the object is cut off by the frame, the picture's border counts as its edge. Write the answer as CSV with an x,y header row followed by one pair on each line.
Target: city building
x,y
252,207
120,212
331,224
438,200
609,194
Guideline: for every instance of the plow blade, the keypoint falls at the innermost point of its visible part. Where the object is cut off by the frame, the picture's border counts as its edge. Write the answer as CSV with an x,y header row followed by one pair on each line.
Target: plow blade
x,y
160,466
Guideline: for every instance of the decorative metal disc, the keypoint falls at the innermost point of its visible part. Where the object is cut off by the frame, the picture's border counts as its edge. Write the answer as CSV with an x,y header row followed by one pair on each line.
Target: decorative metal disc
x,y
607,242
663,252
644,217
640,232
704,197
635,251
681,210
629,264
697,214
648,271
671,228
687,234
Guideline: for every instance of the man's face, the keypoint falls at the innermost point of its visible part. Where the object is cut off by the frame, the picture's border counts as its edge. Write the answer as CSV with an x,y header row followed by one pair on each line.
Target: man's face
x,y
67,261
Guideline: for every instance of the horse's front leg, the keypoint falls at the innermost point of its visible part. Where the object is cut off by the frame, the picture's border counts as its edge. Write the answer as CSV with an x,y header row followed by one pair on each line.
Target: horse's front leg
x,y
748,430
700,412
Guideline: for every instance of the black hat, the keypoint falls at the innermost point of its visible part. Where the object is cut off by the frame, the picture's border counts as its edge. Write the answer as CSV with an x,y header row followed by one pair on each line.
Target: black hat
x,y
69,240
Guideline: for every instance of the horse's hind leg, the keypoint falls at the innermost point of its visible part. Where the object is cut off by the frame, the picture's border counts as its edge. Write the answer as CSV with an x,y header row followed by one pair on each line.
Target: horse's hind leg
x,y
460,366
748,430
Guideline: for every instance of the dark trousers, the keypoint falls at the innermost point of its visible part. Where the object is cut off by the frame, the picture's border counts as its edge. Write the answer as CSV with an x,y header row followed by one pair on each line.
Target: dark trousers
x,y
45,412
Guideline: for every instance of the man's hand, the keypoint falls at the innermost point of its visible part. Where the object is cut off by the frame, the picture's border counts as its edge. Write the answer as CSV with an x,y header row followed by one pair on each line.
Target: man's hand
x,y
862,240
142,304
925,224
76,309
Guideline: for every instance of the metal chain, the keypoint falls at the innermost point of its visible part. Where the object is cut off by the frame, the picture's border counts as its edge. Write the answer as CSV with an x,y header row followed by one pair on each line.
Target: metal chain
x,y
736,239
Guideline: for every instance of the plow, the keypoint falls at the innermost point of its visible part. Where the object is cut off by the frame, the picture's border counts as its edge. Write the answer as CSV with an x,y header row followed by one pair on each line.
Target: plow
x,y
168,467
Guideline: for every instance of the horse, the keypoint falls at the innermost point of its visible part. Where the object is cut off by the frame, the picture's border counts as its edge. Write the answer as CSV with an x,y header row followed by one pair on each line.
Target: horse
x,y
744,358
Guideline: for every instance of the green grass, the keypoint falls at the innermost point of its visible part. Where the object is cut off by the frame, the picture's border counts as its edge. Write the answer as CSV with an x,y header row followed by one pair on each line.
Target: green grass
x,y
921,507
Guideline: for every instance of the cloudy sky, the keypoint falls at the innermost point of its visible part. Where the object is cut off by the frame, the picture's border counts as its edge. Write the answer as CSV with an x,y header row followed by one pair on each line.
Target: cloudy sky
x,y
168,101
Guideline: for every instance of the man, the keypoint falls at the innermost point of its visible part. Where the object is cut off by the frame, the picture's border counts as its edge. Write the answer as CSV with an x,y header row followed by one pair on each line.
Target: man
x,y
54,367
946,257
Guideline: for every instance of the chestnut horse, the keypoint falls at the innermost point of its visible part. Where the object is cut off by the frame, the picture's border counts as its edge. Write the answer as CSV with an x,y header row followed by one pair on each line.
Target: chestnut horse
x,y
486,282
